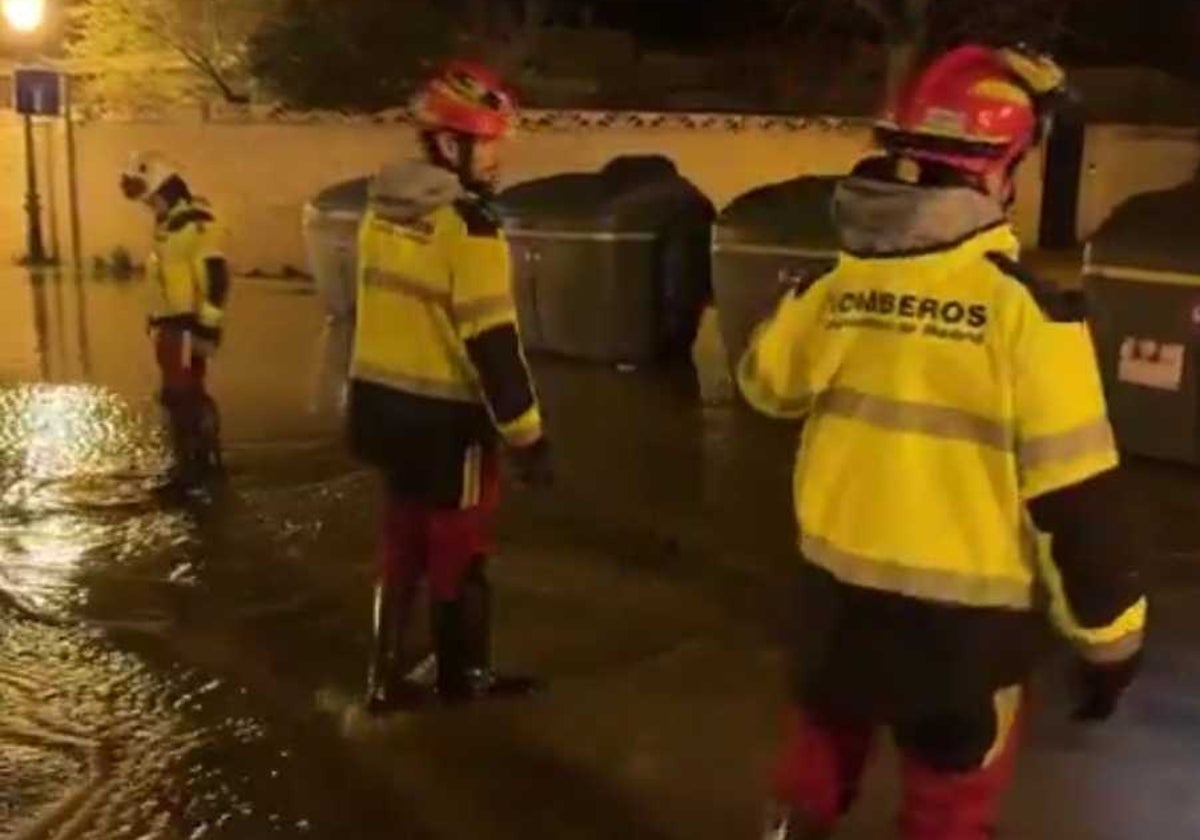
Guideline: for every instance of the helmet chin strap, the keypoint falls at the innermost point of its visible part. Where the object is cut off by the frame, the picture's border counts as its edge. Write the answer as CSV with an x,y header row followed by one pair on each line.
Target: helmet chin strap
x,y
1009,199
463,165
465,168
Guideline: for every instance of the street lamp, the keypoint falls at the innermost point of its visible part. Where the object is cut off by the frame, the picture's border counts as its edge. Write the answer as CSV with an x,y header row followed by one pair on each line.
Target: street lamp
x,y
25,17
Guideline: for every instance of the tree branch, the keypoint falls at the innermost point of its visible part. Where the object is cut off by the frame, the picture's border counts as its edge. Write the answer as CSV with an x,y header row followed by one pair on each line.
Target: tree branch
x,y
877,13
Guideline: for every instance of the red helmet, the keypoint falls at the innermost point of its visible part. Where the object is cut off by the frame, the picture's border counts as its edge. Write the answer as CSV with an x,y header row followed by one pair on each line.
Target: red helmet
x,y
467,98
974,108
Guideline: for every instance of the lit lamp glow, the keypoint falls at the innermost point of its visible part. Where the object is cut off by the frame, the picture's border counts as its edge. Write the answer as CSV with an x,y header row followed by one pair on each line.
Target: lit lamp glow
x,y
24,15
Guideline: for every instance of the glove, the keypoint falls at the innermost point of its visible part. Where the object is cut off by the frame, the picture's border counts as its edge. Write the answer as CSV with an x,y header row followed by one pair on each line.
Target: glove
x,y
206,335
209,317
532,464
1099,687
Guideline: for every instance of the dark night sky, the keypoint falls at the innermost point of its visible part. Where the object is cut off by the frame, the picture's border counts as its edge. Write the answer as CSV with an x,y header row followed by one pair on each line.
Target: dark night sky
x,y
1163,33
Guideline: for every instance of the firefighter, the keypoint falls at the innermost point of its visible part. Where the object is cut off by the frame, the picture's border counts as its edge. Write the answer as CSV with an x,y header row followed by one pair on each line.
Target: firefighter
x,y
190,284
438,381
955,427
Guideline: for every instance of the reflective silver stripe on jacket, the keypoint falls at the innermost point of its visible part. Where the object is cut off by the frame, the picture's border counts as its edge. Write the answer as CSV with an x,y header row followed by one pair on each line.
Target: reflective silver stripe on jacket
x,y
1116,651
933,420
407,286
915,582
957,424
1067,446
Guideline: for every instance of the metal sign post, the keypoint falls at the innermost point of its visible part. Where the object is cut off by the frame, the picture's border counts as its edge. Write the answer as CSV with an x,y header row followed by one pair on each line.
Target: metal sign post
x,y
38,92
72,173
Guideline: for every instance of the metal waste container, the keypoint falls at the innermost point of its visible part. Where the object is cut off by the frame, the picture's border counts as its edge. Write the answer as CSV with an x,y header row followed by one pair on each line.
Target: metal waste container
x,y
768,238
610,266
1142,272
331,222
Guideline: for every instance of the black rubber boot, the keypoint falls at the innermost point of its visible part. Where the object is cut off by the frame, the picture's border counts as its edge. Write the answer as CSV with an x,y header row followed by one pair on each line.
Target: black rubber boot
x,y
477,608
452,646
388,689
182,427
477,612
209,439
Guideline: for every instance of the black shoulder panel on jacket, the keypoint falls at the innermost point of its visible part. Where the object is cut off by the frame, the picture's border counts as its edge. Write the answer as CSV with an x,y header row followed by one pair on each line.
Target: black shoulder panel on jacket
x,y
195,215
497,357
481,218
1059,305
801,281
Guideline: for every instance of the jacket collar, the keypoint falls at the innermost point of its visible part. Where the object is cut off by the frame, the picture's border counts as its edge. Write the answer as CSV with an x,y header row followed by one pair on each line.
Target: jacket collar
x,y
403,192
879,219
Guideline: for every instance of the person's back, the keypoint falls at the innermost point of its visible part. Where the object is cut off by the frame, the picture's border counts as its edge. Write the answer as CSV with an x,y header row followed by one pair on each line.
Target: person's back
x,y
414,229
433,278
438,379
926,328
189,283
954,411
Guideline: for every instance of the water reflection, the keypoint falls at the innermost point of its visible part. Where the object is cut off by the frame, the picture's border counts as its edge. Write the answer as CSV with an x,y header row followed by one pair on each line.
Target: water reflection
x,y
93,744
107,586
76,464
95,741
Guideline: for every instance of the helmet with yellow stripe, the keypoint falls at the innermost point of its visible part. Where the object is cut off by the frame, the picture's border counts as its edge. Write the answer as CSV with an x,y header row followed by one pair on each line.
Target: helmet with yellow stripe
x,y
466,98
976,109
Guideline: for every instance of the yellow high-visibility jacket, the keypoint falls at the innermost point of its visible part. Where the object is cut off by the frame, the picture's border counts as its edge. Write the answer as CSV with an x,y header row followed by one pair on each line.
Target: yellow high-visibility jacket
x,y
946,390
189,276
437,350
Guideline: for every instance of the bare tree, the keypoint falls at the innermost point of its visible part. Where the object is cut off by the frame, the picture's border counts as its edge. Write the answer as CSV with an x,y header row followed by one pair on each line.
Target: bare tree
x,y
514,31
125,43
901,24
912,28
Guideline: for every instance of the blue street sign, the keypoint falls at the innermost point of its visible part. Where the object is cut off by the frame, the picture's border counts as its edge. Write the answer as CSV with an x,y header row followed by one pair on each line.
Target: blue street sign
x,y
37,91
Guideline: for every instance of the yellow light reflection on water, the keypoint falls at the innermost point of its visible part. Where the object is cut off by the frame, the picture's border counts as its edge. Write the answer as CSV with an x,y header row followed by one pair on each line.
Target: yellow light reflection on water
x,y
73,458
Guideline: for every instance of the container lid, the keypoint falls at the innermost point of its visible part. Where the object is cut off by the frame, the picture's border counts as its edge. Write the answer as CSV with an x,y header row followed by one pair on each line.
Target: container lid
x,y
632,197
1150,234
345,195
794,215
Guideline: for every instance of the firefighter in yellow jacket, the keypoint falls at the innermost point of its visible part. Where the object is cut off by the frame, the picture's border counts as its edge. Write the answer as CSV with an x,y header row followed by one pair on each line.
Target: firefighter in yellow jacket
x,y
955,424
189,281
438,381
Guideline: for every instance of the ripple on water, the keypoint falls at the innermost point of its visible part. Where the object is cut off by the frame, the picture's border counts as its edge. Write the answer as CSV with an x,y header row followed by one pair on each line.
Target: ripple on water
x,y
94,743
78,471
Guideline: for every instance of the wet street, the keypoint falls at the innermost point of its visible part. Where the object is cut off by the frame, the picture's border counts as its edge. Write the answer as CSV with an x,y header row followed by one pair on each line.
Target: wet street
x,y
188,669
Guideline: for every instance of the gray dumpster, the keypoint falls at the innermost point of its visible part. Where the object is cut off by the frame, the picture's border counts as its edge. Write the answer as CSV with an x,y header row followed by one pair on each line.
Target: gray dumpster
x,y
331,221
610,266
1142,271
770,237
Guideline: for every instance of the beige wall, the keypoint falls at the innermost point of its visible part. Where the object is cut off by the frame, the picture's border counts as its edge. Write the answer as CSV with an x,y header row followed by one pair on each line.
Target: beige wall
x,y
260,173
1121,161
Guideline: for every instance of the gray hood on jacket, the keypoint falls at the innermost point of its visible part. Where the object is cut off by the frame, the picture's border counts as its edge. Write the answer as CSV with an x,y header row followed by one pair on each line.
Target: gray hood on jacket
x,y
878,217
406,191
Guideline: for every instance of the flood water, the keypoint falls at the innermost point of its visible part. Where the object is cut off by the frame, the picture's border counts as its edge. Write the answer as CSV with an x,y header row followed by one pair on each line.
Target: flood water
x,y
108,726
186,668
183,668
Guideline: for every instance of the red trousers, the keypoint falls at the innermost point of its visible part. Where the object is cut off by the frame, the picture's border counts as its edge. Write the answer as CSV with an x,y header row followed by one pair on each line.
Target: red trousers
x,y
421,541
183,371
954,769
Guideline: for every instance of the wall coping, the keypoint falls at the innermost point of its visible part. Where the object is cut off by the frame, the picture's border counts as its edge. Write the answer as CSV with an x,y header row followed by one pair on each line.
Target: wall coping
x,y
532,121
